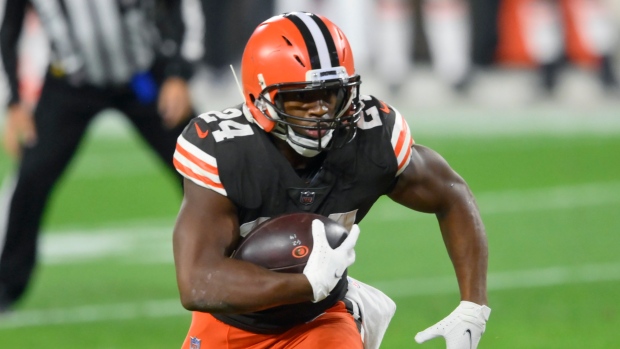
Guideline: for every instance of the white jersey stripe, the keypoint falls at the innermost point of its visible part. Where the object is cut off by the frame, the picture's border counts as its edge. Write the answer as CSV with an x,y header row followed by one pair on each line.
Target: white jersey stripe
x,y
398,127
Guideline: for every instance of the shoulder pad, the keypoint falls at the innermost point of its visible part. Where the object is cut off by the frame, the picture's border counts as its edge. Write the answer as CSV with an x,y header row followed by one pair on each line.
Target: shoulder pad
x,y
378,114
195,156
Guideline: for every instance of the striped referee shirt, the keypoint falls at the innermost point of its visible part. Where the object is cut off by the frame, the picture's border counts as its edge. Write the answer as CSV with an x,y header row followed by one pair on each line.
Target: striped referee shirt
x,y
99,42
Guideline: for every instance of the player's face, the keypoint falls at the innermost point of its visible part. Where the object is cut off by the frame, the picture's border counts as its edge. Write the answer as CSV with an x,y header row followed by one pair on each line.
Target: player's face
x,y
320,103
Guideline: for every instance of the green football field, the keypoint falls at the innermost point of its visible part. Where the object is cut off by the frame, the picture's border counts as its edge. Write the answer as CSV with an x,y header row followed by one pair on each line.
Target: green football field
x,y
549,195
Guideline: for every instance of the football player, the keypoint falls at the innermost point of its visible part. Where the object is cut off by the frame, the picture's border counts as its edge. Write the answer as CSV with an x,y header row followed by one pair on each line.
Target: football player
x,y
305,140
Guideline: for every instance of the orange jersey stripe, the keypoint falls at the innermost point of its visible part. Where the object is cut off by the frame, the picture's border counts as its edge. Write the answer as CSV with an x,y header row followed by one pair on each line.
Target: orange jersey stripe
x,y
196,161
406,158
401,142
189,172
402,136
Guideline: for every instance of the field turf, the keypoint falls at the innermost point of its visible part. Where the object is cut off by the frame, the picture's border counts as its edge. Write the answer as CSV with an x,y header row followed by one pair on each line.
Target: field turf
x,y
550,202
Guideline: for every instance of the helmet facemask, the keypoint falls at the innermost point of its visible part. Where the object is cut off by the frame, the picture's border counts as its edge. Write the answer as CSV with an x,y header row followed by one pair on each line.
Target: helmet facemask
x,y
334,129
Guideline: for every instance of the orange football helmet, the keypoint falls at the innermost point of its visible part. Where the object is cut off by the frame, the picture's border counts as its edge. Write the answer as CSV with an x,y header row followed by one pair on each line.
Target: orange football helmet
x,y
299,52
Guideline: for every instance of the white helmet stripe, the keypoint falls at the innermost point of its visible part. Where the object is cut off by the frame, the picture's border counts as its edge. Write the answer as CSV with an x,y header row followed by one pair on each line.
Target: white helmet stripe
x,y
316,37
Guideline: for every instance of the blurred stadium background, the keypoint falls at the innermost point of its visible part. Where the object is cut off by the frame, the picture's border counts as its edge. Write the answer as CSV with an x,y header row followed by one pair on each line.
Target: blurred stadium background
x,y
545,172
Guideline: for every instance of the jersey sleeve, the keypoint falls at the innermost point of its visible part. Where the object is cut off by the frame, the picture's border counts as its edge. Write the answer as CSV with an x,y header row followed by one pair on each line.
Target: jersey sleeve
x,y
194,156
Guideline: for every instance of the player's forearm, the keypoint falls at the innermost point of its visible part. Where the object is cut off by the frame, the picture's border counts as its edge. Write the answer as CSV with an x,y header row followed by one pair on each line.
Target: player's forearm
x,y
470,265
465,239
240,287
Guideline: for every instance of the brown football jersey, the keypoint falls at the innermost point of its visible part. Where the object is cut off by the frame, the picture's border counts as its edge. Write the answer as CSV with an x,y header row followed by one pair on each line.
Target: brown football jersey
x,y
225,152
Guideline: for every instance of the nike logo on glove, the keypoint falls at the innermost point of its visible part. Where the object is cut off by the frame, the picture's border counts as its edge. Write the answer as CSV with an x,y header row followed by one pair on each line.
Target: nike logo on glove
x,y
469,333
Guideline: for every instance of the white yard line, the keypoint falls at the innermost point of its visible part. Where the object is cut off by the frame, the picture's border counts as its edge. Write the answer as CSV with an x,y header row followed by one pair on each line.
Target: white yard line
x,y
509,280
560,197
520,279
133,244
93,313
136,241
526,200
150,242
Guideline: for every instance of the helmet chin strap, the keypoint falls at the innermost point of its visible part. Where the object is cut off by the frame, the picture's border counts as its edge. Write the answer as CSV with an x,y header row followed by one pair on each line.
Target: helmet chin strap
x,y
307,147
305,152
303,146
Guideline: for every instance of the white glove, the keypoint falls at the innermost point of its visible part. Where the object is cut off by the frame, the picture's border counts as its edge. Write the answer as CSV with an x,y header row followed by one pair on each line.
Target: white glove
x,y
462,329
326,265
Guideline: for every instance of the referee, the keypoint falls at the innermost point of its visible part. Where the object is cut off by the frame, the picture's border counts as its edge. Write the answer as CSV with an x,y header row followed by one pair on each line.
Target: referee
x,y
121,54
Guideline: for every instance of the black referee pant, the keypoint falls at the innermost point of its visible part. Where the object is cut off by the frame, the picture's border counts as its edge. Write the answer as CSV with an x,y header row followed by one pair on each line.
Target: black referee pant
x,y
62,117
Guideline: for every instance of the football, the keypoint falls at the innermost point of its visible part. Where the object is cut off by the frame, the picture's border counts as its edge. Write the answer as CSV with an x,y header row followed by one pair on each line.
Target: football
x,y
284,243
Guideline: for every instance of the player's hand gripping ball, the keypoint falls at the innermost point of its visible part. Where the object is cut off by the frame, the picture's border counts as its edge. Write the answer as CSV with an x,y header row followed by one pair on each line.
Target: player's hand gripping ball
x,y
284,243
